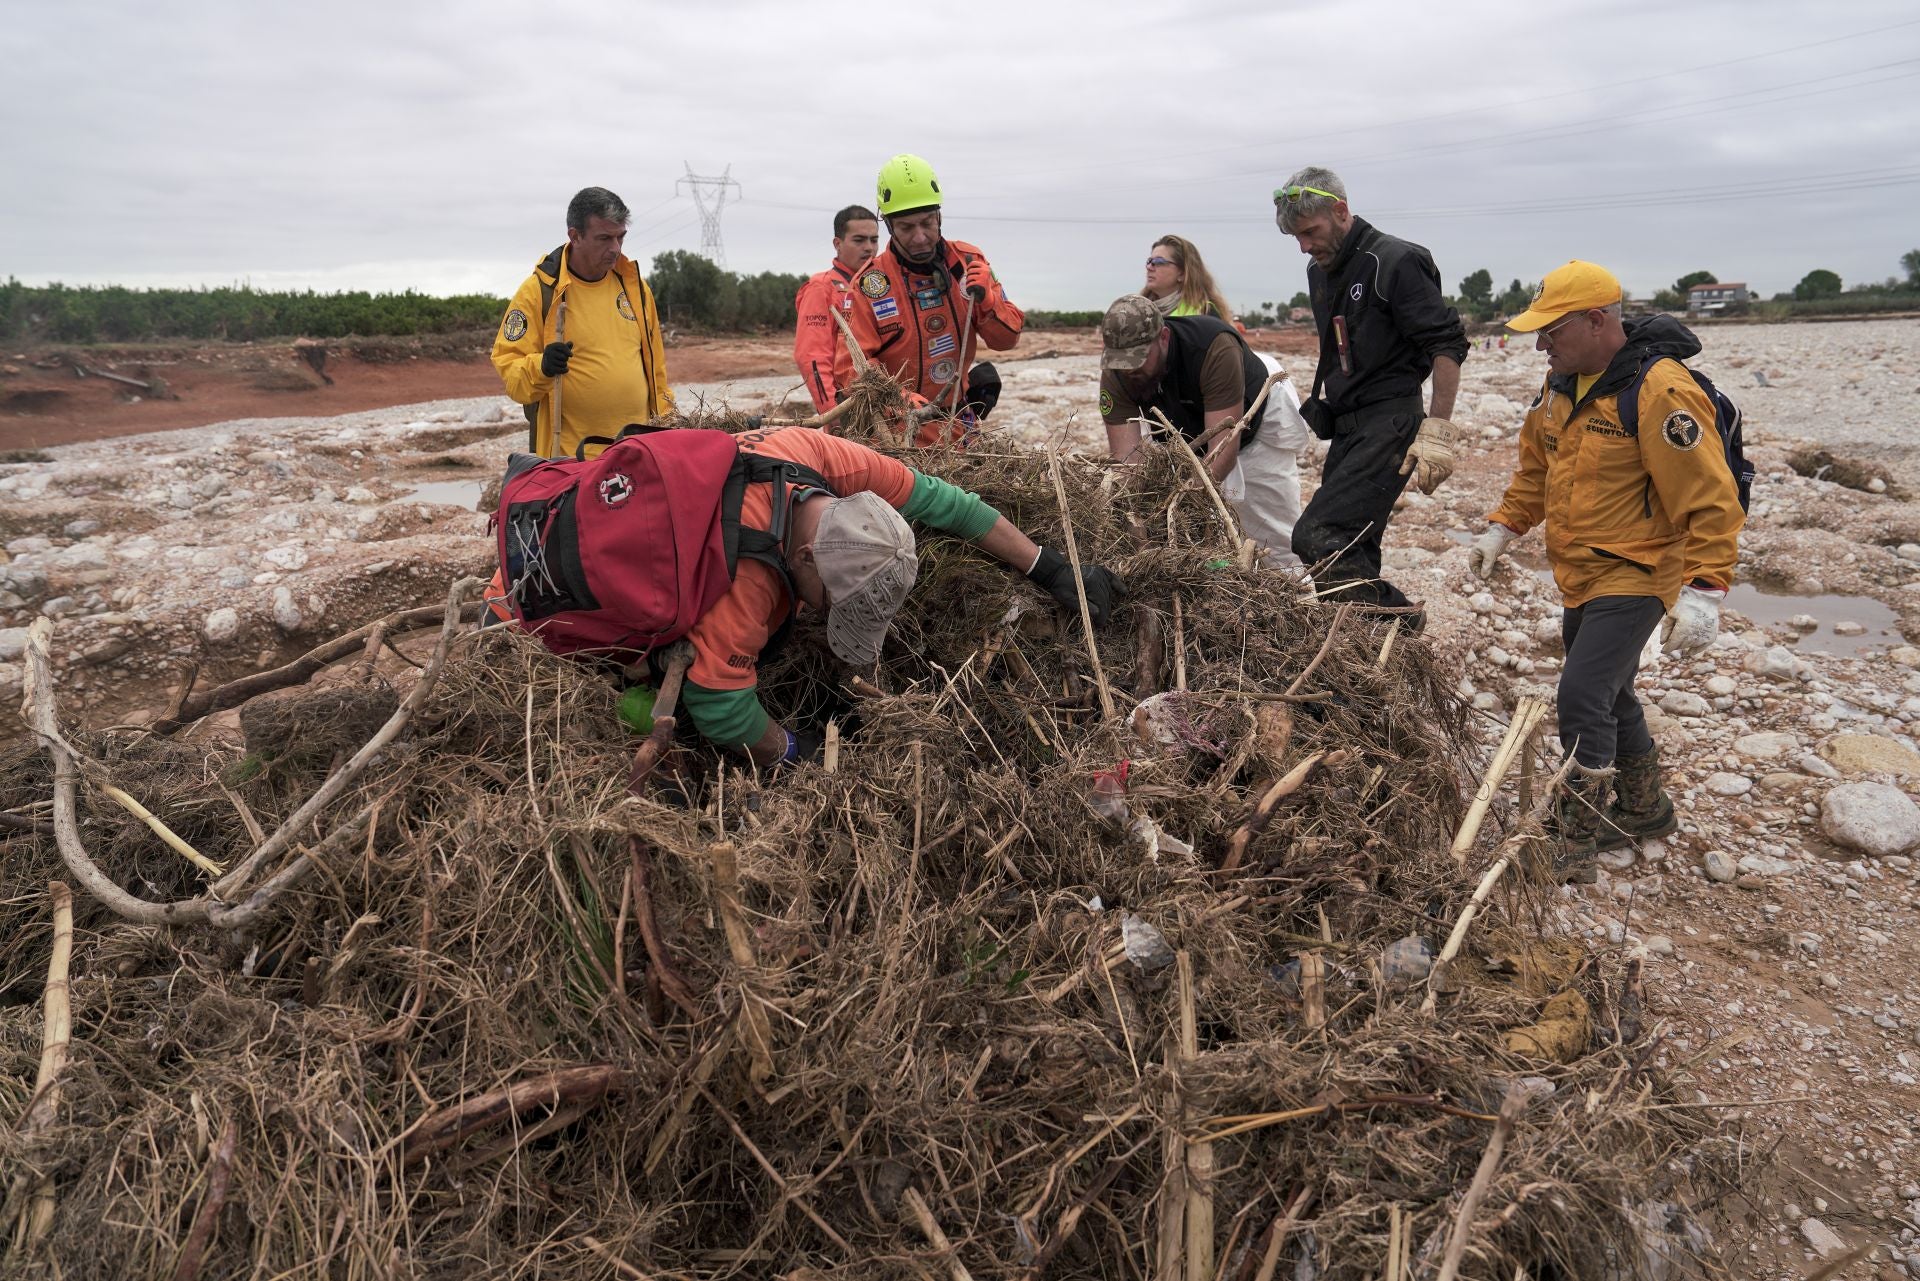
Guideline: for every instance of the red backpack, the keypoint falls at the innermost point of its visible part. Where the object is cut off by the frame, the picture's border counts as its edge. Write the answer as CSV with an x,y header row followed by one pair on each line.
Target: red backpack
x,y
627,551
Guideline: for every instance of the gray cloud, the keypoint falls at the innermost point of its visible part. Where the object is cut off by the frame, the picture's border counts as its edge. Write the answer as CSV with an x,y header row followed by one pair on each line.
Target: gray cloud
x,y
434,145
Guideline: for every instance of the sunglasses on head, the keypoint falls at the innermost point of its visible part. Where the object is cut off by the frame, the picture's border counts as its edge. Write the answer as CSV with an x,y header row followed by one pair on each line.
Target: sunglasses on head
x,y
1296,191
1160,262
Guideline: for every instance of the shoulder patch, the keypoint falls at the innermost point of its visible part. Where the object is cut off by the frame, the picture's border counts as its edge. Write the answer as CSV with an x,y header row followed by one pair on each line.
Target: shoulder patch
x,y
624,307
1680,430
1106,403
875,283
514,328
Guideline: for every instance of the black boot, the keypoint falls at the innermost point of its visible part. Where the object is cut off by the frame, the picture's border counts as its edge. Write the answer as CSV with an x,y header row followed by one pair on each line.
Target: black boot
x,y
1578,827
1641,807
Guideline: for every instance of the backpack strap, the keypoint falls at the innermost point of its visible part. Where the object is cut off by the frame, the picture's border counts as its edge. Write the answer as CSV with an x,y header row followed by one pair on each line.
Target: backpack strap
x,y
1629,400
765,545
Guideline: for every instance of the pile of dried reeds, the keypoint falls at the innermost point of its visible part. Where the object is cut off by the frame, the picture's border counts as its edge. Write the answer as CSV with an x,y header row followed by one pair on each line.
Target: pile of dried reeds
x,y
1079,956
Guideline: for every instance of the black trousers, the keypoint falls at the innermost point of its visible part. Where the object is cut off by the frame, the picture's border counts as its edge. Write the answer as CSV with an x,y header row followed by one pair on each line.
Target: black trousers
x,y
1599,716
1358,486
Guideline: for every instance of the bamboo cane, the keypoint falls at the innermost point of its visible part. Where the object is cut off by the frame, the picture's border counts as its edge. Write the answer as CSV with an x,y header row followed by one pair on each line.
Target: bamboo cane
x,y
1199,1253
553,397
1525,716
1080,587
56,1039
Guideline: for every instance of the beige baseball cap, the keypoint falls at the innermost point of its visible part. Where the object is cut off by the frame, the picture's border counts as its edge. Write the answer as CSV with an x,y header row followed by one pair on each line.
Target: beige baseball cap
x,y
1127,331
865,553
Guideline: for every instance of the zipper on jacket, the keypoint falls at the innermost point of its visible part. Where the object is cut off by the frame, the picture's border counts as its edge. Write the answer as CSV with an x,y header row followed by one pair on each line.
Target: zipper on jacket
x,y
1607,555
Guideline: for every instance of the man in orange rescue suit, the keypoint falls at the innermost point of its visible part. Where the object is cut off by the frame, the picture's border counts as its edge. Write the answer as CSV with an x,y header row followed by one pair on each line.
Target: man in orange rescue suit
x,y
816,337
925,303
609,363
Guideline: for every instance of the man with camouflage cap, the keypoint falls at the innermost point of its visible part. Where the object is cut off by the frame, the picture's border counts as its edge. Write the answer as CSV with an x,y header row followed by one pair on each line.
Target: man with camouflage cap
x,y
1199,372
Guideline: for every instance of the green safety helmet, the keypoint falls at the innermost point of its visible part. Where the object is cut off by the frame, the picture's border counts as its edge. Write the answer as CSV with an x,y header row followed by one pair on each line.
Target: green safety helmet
x,y
907,185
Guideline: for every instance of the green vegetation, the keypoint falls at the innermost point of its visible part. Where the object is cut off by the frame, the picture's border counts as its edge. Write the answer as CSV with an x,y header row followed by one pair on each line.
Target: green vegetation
x,y
694,293
1064,319
112,313
1818,283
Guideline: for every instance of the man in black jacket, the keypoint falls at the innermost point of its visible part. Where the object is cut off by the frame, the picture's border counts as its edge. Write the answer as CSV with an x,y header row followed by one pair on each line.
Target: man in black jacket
x,y
1384,327
1199,372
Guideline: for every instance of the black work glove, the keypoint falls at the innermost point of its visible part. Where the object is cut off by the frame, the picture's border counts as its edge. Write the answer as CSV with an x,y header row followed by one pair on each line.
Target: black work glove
x,y
1055,573
553,361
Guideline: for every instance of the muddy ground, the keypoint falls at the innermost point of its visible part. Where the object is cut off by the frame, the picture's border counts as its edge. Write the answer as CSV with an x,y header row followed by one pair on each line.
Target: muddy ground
x,y
1782,928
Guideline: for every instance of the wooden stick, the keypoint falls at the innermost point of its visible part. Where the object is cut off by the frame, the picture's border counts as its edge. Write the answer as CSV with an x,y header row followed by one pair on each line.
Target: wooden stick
x,y
56,1038
787,1191
830,752
1510,1109
160,829
553,407
22,823
236,692
647,757
1179,646
1240,424
1080,587
219,1178
445,1126
1386,646
930,1228
854,352
753,1018
671,983
614,1261
1313,990
1234,533
1326,646
827,418
1289,783
1525,716
1281,1231
1199,1252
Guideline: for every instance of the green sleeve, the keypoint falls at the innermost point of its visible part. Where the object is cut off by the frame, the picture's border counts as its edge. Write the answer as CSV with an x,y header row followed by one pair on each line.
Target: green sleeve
x,y
948,508
729,717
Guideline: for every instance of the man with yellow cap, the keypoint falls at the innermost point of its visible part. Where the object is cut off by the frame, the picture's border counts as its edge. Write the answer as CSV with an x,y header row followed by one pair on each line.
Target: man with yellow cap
x,y
1621,460
925,303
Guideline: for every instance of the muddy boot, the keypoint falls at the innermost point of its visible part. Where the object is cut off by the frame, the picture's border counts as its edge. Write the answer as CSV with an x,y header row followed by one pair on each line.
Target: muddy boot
x,y
1641,807
1578,828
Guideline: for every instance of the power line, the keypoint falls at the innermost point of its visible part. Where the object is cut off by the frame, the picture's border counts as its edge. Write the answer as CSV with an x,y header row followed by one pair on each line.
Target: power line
x,y
710,194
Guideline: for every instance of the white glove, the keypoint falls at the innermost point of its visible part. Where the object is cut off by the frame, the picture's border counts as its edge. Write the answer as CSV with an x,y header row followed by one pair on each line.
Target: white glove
x,y
1431,453
1489,547
1693,621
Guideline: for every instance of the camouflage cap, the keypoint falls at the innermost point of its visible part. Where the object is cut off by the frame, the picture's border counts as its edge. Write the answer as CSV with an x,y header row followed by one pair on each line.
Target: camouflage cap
x,y
1128,330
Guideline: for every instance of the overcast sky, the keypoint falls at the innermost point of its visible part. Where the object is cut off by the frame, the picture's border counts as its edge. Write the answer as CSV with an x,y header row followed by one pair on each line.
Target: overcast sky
x,y
434,146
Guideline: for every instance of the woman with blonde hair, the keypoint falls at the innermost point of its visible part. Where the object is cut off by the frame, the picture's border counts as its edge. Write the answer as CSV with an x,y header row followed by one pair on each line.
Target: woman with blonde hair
x,y
1179,282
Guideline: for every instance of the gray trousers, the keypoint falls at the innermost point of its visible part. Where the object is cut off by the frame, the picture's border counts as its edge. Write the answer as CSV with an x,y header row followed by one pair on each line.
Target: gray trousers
x,y
1599,716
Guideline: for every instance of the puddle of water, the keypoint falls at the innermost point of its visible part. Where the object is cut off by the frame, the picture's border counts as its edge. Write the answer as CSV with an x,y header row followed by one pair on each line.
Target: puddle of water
x,y
454,493
1769,608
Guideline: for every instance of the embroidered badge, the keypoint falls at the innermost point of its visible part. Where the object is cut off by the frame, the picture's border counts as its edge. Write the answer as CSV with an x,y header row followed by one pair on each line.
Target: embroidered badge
x,y
625,307
874,284
927,299
943,371
885,309
936,323
1357,290
515,327
1106,403
942,345
615,489
1680,430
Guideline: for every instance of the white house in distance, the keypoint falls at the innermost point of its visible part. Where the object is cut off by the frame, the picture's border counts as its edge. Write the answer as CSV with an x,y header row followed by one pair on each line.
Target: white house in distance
x,y
1705,300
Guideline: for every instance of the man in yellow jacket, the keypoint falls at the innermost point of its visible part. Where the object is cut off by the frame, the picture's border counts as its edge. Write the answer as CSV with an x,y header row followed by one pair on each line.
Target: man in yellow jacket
x,y
582,331
1642,516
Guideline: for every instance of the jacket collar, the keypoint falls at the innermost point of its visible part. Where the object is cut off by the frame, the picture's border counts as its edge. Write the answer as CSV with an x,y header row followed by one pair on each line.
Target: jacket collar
x,y
1358,235
1647,340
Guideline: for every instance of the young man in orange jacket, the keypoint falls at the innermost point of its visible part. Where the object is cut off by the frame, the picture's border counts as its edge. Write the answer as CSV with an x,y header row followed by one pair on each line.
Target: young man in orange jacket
x,y
816,336
925,303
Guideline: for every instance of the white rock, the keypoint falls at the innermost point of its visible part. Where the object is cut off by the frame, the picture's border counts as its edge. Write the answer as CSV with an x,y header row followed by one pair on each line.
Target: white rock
x,y
222,624
179,496
1774,663
1720,866
1874,818
1908,551
1804,623
1763,865
1679,702
13,643
1487,701
1482,603
285,613
1729,784
209,485
1808,763
1659,945
1876,486
1825,1241
1764,747
290,556
1847,627
1615,860
361,494
1721,686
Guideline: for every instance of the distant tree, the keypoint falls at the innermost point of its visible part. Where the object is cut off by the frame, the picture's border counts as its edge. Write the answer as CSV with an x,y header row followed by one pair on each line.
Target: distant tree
x,y
1818,283
1668,300
1910,261
1300,300
1514,299
1477,288
1693,278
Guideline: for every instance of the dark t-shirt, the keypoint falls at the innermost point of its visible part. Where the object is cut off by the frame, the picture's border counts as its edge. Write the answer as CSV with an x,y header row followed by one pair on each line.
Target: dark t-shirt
x,y
1222,386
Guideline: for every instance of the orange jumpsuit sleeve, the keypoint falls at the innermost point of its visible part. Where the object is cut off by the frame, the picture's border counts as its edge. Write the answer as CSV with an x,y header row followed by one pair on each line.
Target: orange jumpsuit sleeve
x,y
814,344
996,321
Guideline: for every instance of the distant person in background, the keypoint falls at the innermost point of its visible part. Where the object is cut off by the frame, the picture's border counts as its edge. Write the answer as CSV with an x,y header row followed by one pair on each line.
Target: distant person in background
x,y
816,335
586,321
1179,282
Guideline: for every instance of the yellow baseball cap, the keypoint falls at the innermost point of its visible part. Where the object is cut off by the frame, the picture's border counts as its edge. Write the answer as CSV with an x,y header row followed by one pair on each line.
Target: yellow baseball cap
x,y
1578,286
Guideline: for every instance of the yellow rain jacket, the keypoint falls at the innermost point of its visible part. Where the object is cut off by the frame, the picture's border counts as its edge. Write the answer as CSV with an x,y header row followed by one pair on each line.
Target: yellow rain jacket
x,y
618,374
1627,514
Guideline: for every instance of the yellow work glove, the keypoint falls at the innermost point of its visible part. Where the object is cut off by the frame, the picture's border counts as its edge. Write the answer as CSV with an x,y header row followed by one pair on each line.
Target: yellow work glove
x,y
1430,456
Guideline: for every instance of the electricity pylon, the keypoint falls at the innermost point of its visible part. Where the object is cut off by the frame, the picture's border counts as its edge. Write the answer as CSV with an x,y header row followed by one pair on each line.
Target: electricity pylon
x,y
710,195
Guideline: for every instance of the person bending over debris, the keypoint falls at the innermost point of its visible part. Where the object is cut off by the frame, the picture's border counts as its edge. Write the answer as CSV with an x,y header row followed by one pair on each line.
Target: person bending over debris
x,y
1200,373
816,335
584,324
925,304
1384,326
720,538
1622,458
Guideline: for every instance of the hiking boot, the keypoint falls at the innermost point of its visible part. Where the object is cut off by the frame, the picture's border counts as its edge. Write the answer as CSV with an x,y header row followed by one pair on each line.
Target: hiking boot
x,y
1641,807
1578,828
